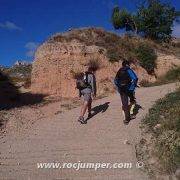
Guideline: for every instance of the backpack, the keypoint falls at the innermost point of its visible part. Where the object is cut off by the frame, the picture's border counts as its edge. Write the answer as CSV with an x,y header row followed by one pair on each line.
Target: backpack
x,y
123,79
82,82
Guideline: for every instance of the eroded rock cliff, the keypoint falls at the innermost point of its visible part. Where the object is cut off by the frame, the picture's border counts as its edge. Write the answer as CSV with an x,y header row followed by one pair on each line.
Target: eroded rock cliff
x,y
57,59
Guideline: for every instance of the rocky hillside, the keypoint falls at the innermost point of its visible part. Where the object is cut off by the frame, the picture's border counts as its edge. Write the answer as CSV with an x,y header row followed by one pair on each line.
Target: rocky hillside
x,y
20,75
18,71
65,54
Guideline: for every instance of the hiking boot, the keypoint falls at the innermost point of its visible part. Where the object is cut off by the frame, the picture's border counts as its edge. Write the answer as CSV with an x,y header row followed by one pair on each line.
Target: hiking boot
x,y
82,121
126,122
133,117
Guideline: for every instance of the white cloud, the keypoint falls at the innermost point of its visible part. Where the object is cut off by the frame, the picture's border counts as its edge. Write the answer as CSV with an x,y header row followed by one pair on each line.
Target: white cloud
x,y
176,30
10,26
31,48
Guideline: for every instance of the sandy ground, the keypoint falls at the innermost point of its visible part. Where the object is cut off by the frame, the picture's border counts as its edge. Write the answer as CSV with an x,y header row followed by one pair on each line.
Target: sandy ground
x,y
58,137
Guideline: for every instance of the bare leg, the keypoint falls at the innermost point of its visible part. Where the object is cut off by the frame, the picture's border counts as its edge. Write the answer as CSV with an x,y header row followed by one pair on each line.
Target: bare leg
x,y
89,106
84,108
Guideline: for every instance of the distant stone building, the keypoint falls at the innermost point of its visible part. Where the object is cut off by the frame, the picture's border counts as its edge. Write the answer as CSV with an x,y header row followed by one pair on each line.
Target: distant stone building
x,y
2,68
19,63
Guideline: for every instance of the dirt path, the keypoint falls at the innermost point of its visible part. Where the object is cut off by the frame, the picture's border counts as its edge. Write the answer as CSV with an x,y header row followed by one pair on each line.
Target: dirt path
x,y
63,139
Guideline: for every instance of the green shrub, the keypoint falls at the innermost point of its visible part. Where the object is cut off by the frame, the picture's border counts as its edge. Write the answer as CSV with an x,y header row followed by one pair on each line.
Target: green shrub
x,y
166,137
147,57
113,55
173,74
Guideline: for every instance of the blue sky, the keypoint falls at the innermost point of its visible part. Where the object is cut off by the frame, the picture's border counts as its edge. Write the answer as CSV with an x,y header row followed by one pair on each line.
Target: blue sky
x,y
24,24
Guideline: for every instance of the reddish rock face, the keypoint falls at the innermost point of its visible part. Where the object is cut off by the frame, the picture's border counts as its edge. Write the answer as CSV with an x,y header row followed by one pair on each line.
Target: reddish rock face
x,y
55,63
165,63
56,60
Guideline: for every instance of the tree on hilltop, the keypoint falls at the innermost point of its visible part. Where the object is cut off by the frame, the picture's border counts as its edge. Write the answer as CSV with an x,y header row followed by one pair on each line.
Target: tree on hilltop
x,y
153,19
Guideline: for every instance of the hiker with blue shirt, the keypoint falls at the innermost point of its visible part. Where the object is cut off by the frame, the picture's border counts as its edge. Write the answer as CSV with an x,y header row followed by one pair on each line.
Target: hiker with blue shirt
x,y
126,83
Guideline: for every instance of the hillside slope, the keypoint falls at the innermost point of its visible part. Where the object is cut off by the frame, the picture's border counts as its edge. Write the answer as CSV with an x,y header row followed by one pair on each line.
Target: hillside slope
x,y
65,54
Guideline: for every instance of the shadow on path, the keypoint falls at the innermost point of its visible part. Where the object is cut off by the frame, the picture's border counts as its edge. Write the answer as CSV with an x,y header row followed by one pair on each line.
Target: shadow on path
x,y
99,109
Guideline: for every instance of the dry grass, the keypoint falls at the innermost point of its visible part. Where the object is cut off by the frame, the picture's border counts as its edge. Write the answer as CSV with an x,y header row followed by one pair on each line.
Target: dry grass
x,y
76,74
94,64
117,47
109,41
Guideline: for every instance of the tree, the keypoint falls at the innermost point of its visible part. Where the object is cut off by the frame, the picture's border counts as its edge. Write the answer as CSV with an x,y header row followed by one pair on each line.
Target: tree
x,y
153,19
156,20
123,19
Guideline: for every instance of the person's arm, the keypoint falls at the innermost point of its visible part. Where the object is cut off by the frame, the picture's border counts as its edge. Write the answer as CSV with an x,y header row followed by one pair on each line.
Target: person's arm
x,y
117,81
93,84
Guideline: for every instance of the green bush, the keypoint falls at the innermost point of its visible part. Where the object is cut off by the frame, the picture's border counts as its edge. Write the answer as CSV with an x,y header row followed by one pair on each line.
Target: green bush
x,y
166,114
147,57
173,74
113,55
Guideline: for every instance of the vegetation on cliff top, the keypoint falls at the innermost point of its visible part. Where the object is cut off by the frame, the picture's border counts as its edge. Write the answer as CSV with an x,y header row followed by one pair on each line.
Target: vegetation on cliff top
x,y
147,57
117,47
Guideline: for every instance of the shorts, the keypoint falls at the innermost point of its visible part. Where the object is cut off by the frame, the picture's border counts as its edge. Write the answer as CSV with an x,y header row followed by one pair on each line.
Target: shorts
x,y
86,93
87,97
